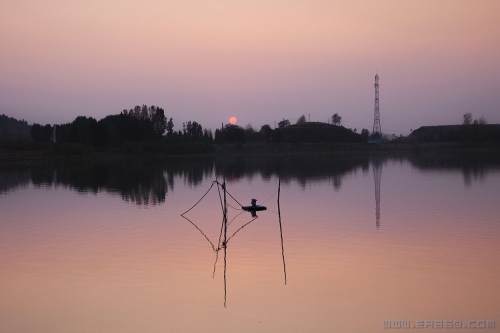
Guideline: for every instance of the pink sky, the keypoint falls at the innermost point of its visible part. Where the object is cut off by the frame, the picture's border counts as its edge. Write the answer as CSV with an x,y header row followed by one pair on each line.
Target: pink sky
x,y
259,61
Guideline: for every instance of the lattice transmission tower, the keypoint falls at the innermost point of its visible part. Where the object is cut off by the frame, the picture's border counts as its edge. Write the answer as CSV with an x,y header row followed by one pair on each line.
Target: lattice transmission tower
x,y
377,129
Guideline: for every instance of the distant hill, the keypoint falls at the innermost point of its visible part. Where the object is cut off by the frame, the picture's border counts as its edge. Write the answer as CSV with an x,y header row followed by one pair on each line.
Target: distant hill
x,y
316,132
13,129
434,130
457,133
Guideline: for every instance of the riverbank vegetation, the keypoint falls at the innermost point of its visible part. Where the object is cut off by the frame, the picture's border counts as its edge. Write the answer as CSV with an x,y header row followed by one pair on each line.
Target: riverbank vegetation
x,y
146,130
471,131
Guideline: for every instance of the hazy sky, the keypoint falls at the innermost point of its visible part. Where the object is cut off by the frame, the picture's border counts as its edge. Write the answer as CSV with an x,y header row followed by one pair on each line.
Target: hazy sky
x,y
259,61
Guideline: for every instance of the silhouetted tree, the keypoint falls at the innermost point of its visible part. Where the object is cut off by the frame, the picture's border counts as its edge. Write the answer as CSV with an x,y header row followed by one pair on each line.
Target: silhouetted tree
x,y
207,136
317,132
301,120
192,131
41,133
336,119
82,129
152,114
11,128
467,118
170,127
266,132
157,116
234,133
284,123
218,136
125,127
251,134
364,134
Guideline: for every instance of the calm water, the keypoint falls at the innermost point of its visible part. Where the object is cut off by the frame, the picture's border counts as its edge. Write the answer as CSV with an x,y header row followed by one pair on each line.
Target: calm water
x,y
101,247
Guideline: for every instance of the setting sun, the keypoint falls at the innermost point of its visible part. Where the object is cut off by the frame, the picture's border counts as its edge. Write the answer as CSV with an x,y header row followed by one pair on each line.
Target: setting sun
x,y
233,120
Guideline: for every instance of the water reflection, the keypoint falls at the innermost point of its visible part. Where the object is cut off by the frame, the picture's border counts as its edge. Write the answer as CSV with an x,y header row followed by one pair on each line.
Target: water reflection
x,y
143,182
281,227
303,169
223,239
147,182
377,177
121,267
222,243
475,166
13,179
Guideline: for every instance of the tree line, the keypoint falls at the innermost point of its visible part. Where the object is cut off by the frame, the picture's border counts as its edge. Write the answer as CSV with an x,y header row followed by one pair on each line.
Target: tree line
x,y
302,131
132,129
140,124
13,129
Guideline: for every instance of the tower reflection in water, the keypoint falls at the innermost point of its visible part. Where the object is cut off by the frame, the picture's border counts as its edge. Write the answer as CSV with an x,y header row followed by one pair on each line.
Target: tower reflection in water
x,y
377,176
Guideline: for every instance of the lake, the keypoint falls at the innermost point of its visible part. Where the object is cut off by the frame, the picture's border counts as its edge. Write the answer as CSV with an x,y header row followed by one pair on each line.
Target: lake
x,y
358,244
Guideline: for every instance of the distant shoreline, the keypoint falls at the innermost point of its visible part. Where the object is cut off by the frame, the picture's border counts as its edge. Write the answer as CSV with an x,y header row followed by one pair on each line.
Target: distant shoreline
x,y
23,152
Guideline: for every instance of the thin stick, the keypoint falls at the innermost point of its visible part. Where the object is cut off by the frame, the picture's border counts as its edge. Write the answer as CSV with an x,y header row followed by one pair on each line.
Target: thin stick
x,y
225,238
225,243
233,198
215,263
281,230
225,283
194,224
244,225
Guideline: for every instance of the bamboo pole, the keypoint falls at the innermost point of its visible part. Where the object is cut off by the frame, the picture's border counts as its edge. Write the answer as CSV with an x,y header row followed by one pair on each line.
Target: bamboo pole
x,y
225,234
281,229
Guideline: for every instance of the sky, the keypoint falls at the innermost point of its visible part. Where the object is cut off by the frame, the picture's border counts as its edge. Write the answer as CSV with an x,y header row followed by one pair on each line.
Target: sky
x,y
259,61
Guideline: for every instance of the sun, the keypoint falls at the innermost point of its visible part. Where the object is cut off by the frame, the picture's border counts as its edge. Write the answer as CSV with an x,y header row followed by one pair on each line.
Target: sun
x,y
233,120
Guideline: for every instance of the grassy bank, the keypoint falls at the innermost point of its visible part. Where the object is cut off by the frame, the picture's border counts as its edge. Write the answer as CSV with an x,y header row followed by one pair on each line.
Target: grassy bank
x,y
344,148
15,151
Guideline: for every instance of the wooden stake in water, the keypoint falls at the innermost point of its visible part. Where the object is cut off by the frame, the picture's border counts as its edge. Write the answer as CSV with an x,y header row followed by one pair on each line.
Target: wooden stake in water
x,y
225,235
281,230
